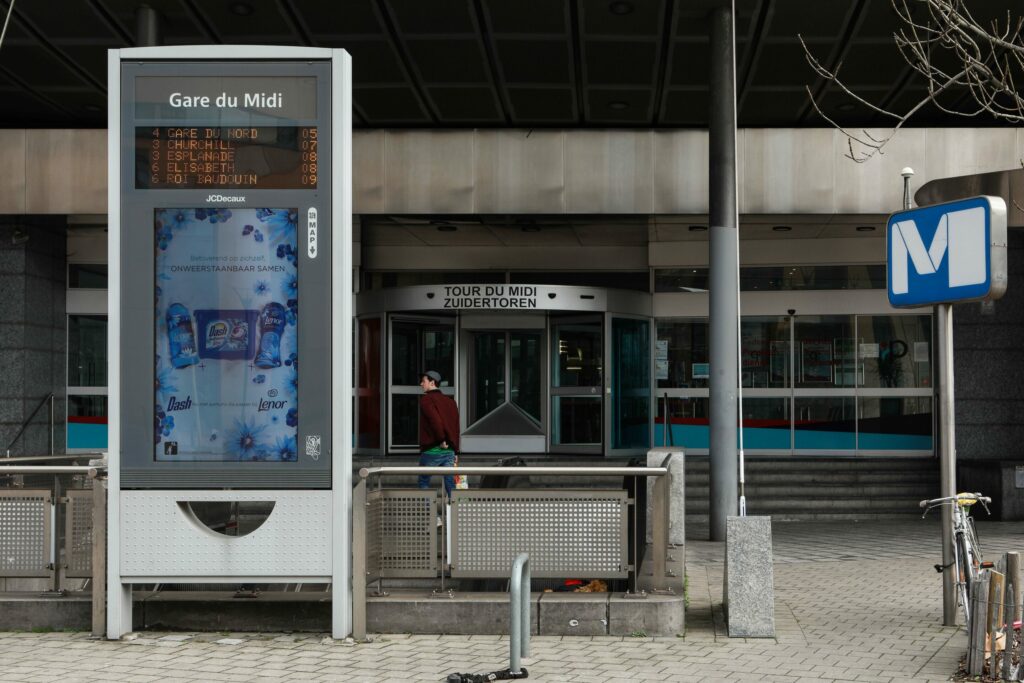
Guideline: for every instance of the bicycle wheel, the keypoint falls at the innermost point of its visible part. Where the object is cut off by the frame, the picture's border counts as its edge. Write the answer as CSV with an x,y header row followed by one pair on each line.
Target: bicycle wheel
x,y
964,576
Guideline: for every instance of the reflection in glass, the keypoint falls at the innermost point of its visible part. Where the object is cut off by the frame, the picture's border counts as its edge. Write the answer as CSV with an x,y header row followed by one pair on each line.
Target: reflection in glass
x,y
405,420
488,384
895,424
765,344
766,423
417,347
439,352
87,422
406,354
688,421
631,383
87,350
368,391
525,371
87,276
895,350
679,345
825,423
825,355
576,421
577,355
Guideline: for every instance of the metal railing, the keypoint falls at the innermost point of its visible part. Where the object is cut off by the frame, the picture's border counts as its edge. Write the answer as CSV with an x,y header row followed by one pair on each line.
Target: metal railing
x,y
49,398
83,540
395,534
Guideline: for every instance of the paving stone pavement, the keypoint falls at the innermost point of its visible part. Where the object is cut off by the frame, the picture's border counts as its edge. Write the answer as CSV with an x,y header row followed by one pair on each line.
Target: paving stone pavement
x,y
853,602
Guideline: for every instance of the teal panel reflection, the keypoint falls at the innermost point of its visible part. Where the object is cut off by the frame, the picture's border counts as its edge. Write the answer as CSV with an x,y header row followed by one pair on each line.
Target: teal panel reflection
x,y
823,440
91,436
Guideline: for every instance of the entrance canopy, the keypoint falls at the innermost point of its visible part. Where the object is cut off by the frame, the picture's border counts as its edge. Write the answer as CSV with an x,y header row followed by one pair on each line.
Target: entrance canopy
x,y
503,298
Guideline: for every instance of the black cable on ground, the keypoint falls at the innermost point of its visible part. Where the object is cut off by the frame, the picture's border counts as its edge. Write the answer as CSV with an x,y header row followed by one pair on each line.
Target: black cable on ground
x,y
502,675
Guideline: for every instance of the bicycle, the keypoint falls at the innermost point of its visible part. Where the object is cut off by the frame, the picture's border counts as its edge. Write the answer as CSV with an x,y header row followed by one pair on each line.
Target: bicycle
x,y
966,549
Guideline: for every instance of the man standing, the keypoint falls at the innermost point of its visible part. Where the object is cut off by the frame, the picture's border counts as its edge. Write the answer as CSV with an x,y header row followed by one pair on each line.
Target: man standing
x,y
439,429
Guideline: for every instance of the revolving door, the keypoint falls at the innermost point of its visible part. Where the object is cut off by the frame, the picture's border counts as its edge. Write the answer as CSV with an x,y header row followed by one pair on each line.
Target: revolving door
x,y
557,381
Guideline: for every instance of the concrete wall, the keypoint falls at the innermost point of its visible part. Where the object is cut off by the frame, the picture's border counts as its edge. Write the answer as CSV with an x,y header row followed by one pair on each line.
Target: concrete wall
x,y
782,171
989,357
33,335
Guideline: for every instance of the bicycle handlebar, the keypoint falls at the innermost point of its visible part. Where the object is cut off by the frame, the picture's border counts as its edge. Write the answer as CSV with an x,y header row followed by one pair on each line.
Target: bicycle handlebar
x,y
984,500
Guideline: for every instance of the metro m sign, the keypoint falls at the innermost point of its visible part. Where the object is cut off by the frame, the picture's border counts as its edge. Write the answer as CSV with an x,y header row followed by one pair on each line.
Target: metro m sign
x,y
947,253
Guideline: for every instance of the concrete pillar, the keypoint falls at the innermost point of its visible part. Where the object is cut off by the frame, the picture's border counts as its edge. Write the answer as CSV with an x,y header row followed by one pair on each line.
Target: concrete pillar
x,y
33,330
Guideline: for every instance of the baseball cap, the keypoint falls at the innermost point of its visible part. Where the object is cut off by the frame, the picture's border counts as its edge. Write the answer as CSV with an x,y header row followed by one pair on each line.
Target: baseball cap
x,y
434,375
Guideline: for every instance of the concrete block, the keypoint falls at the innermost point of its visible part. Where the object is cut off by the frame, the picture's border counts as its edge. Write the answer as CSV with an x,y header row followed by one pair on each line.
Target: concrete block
x,y
677,493
748,590
654,615
463,614
21,612
574,614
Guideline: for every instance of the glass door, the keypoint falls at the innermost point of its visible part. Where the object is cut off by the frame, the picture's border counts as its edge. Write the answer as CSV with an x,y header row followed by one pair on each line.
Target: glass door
x,y
628,410
504,383
577,381
416,344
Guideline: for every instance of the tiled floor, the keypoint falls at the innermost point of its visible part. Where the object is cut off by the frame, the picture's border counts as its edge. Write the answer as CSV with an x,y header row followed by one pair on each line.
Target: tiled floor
x,y
853,602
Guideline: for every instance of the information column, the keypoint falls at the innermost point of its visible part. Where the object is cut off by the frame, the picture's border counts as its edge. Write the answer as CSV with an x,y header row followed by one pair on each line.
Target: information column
x,y
227,340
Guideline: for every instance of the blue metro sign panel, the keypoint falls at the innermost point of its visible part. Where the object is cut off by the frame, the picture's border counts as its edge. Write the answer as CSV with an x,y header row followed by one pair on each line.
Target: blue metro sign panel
x,y
947,253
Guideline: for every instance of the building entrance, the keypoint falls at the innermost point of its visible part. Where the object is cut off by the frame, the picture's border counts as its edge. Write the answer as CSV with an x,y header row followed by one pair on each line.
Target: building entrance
x,y
528,378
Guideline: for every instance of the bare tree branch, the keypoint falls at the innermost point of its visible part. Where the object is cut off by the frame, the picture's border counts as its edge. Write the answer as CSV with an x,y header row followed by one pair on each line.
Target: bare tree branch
x,y
969,69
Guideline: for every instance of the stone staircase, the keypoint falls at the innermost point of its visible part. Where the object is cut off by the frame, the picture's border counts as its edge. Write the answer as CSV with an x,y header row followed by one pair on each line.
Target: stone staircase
x,y
826,489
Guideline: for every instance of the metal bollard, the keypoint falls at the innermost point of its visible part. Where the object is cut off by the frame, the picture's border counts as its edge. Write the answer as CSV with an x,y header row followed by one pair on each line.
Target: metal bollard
x,y
519,613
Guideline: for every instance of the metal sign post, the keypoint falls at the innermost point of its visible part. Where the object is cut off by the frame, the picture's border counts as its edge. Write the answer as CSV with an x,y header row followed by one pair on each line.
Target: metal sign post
x,y
940,255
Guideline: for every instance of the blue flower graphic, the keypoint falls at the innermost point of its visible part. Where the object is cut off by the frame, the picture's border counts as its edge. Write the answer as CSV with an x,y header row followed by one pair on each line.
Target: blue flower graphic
x,y
164,380
246,230
290,286
284,449
280,224
292,419
243,441
292,384
167,425
261,288
178,219
259,379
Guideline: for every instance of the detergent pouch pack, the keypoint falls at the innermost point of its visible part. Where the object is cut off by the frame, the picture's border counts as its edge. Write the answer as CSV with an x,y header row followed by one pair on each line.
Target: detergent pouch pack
x,y
226,334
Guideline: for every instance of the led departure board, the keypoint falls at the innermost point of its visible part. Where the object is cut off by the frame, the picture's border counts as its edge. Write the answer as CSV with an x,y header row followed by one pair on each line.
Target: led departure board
x,y
226,158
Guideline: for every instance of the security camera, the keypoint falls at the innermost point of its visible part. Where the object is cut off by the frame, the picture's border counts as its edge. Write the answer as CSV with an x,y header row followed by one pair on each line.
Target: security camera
x,y
791,311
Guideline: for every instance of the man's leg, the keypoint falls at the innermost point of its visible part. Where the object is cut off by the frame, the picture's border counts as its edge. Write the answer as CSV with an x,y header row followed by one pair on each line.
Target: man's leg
x,y
424,480
449,479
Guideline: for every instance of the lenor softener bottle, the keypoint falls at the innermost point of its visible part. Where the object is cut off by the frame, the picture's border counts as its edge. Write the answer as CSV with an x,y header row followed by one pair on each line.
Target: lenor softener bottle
x,y
271,327
181,336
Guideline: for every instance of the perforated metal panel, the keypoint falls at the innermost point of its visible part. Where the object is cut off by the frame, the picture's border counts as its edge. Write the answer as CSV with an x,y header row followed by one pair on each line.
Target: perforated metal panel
x,y
401,533
566,533
78,534
161,537
25,533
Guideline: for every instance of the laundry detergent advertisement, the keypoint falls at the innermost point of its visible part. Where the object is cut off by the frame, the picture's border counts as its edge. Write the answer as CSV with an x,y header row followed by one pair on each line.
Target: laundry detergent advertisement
x,y
227,367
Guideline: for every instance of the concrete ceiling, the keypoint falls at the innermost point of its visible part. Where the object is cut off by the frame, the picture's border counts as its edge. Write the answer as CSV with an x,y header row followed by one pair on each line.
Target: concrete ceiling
x,y
491,63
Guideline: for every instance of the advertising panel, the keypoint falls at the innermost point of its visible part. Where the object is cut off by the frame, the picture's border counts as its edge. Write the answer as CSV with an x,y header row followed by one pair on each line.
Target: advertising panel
x,y
226,342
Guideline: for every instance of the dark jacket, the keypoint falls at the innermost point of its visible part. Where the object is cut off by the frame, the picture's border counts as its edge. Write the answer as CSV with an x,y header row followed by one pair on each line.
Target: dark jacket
x,y
439,421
